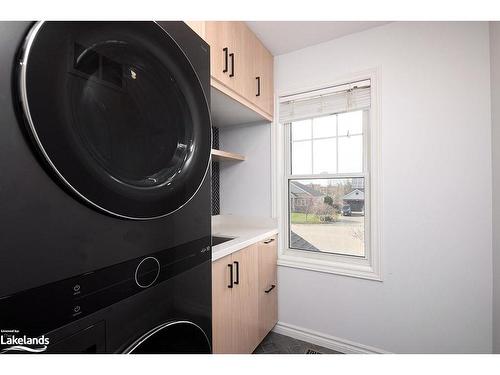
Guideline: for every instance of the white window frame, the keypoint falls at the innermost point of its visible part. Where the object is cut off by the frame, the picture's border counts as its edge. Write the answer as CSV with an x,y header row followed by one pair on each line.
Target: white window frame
x,y
369,266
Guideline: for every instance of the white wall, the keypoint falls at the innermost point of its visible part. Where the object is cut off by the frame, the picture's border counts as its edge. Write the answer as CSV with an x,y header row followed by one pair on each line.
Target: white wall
x,y
495,120
245,187
436,171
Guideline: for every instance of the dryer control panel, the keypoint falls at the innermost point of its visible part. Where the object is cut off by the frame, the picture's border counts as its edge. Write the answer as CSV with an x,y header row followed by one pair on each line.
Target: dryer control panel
x,y
39,310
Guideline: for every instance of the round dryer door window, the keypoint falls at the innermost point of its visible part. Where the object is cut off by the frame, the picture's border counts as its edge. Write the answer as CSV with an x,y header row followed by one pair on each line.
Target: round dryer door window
x,y
178,337
118,114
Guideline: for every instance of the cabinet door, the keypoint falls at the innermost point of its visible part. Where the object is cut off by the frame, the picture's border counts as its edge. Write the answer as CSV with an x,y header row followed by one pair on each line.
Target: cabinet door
x,y
222,306
224,38
263,77
245,300
267,81
259,89
243,60
268,294
251,45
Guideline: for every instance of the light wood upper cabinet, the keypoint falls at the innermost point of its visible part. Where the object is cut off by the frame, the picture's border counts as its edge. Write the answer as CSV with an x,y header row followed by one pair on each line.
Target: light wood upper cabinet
x,y
240,64
262,85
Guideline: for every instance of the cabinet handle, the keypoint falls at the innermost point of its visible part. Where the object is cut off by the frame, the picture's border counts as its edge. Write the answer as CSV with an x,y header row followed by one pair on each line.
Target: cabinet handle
x,y
225,50
271,288
269,241
237,264
230,275
258,86
231,55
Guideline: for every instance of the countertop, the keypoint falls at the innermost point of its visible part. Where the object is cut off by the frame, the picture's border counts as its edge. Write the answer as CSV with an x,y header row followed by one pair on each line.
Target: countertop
x,y
246,230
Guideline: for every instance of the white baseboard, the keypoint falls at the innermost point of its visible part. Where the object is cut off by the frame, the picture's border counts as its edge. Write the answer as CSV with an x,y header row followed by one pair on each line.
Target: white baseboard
x,y
326,341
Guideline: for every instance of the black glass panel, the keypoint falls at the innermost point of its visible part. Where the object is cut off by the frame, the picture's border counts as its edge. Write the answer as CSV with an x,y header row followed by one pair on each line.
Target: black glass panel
x,y
140,131
39,310
125,123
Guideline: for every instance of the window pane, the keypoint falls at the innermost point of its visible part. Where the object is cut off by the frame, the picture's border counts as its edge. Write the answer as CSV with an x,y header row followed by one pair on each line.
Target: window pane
x,y
351,123
301,157
328,215
325,126
325,156
301,130
351,154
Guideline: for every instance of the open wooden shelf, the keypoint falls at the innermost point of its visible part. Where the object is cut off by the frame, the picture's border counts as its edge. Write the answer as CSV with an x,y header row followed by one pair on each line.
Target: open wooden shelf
x,y
219,155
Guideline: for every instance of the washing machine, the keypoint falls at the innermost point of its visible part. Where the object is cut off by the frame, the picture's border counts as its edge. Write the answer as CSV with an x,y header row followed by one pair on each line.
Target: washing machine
x,y
105,220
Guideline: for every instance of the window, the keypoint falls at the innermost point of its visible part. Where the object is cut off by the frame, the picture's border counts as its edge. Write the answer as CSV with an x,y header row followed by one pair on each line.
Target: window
x,y
326,187
331,218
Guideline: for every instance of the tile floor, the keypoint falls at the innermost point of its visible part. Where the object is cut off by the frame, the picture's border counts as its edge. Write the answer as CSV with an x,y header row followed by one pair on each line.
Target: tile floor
x,y
275,343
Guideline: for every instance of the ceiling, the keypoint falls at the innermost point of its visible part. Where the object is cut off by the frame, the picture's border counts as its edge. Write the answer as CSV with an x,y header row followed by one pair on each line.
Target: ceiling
x,y
286,36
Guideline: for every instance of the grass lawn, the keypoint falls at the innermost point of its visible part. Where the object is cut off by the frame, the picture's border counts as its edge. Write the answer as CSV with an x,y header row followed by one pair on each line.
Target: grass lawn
x,y
300,218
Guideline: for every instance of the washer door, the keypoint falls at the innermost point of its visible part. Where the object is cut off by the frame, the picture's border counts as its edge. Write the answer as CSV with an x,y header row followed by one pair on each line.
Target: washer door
x,y
179,337
118,113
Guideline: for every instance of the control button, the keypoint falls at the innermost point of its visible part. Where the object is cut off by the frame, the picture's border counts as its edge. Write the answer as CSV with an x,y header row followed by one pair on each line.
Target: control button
x,y
147,272
77,310
76,288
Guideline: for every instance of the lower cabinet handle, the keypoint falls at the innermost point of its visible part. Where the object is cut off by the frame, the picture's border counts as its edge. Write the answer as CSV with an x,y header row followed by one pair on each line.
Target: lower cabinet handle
x,y
271,288
231,56
225,50
230,275
269,240
237,264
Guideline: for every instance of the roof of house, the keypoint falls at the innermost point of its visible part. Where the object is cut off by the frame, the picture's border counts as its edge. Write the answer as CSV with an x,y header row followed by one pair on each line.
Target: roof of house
x,y
297,188
355,195
297,242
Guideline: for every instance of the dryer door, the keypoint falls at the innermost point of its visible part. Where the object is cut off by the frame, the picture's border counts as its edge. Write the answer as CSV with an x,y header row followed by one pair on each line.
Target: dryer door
x,y
178,337
117,112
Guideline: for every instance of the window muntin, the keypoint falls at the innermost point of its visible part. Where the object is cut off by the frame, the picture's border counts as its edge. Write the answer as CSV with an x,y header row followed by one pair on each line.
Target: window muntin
x,y
326,201
328,144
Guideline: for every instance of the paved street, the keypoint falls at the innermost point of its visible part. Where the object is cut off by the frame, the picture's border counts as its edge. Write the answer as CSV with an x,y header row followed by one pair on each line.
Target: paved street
x,y
345,236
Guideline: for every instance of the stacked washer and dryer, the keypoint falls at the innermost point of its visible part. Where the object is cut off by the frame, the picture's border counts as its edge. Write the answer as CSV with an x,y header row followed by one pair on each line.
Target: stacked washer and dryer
x,y
105,139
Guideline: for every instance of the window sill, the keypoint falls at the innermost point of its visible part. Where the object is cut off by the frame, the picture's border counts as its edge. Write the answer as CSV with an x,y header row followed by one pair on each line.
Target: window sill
x,y
359,269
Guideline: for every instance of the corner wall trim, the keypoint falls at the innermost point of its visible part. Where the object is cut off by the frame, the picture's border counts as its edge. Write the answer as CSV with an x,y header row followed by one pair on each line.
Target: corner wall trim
x,y
330,342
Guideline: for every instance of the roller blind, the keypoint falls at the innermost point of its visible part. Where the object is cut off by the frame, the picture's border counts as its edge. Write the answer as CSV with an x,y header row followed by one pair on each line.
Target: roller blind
x,y
349,97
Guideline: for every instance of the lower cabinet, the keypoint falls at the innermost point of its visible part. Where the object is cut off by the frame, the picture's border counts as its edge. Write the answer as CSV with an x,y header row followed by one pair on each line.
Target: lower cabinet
x,y
244,300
